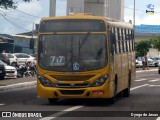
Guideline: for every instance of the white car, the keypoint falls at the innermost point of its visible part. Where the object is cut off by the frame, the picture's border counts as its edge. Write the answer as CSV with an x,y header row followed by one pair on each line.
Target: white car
x,y
156,60
11,72
23,58
159,68
12,58
138,63
151,62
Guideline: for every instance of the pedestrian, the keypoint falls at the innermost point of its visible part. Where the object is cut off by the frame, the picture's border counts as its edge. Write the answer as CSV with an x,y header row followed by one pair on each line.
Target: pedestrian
x,y
143,63
146,61
4,51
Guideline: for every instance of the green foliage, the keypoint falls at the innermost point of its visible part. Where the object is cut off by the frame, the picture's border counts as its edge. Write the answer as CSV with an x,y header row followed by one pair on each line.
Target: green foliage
x,y
156,43
142,47
10,3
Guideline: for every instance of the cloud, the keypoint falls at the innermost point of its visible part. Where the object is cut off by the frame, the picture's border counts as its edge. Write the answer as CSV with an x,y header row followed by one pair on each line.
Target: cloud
x,y
32,7
141,17
23,20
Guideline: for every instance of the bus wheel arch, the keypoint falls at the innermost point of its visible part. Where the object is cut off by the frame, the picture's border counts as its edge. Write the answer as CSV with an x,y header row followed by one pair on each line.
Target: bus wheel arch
x,y
126,92
113,99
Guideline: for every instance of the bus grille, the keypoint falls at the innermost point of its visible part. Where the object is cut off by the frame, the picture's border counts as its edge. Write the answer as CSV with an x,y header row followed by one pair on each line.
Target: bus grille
x,y
71,92
72,85
72,77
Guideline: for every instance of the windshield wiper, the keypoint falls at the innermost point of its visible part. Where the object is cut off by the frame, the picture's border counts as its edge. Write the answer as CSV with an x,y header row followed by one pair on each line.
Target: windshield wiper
x,y
85,39
99,53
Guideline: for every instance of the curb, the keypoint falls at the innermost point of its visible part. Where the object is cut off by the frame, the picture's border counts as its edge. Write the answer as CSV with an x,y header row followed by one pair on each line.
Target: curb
x,y
18,85
147,70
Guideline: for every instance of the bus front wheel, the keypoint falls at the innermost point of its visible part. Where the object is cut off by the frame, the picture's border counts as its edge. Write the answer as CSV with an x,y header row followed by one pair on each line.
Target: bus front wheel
x,y
52,100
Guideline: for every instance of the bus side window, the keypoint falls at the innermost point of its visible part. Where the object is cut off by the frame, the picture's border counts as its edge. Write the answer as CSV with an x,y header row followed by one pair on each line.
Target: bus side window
x,y
132,40
119,39
112,41
116,38
123,40
126,41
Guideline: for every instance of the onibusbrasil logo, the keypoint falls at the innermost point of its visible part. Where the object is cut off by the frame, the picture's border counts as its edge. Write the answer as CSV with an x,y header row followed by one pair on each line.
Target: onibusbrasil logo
x,y
150,9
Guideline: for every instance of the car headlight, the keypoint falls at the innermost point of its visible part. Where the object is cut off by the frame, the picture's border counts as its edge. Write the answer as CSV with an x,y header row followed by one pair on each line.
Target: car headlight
x,y
100,81
45,82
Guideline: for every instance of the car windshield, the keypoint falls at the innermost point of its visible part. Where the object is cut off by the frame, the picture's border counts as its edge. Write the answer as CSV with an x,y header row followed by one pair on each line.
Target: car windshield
x,y
72,53
2,63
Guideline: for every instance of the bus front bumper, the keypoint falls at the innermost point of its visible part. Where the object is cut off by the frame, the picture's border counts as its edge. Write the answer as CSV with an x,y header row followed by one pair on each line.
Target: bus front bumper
x,y
89,92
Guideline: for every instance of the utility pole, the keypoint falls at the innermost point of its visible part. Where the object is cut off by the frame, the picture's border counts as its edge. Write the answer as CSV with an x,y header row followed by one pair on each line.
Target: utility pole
x,y
134,16
33,35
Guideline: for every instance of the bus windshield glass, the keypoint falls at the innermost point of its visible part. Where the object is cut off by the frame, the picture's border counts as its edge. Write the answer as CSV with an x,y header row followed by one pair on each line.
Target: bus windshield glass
x,y
78,25
72,52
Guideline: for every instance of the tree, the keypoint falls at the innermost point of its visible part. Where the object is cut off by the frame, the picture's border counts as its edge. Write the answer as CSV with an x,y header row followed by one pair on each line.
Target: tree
x,y
156,43
10,3
142,47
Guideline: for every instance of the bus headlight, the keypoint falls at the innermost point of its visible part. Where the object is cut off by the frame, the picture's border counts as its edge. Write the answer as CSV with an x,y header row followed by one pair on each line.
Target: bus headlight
x,y
100,81
45,82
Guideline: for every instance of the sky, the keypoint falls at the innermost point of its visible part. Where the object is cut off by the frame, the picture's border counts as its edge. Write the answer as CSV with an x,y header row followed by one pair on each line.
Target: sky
x,y
27,14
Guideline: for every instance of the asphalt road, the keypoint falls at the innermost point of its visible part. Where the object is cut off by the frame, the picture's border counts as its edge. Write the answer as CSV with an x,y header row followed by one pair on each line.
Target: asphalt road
x,y
144,99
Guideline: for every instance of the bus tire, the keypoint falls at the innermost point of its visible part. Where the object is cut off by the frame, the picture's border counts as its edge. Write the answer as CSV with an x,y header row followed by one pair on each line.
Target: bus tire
x,y
126,92
113,99
52,101
2,77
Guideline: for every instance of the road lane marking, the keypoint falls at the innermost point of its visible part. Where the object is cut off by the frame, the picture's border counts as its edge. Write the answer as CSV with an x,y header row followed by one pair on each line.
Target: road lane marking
x,y
145,75
18,85
61,113
137,80
158,118
154,80
1,104
139,87
154,85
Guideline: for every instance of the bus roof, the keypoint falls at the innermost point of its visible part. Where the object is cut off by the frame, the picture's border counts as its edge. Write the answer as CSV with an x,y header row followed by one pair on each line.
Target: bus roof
x,y
75,16
110,21
121,24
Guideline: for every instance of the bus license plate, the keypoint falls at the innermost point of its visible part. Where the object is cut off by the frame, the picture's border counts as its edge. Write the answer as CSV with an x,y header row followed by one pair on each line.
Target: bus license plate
x,y
98,92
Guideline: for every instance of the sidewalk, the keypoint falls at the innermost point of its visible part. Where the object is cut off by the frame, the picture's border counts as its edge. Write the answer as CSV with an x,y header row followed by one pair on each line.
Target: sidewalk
x,y
150,69
9,84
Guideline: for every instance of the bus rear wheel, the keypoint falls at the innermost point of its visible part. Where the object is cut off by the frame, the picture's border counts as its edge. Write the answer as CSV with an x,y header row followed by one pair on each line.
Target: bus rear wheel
x,y
52,100
126,92
113,99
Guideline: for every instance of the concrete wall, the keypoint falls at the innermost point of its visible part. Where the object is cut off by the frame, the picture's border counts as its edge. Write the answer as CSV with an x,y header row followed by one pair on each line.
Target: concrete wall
x,y
52,11
75,6
153,52
108,8
95,7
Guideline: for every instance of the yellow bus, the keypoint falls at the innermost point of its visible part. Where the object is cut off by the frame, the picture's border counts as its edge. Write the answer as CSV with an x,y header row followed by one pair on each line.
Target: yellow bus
x,y
84,56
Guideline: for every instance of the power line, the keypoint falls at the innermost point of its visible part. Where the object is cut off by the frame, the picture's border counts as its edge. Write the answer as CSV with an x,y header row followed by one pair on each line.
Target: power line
x,y
13,23
24,12
27,13
12,16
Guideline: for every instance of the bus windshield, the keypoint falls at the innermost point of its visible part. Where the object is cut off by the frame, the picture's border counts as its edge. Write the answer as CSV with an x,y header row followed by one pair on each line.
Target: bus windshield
x,y
72,52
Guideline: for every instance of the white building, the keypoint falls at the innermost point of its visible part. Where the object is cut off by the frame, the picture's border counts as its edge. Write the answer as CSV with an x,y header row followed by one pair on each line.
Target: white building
x,y
109,8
